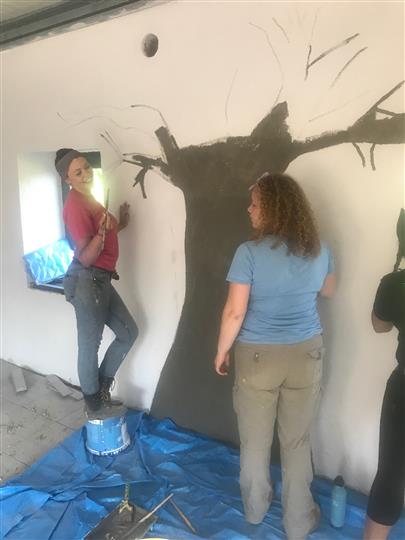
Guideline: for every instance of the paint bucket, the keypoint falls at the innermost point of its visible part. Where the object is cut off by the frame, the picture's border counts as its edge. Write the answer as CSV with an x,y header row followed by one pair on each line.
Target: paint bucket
x,y
107,437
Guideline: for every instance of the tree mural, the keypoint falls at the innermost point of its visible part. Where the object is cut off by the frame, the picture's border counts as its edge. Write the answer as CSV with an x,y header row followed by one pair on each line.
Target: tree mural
x,y
214,178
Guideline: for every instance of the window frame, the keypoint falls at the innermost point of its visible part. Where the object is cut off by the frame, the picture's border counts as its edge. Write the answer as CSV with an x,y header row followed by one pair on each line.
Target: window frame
x,y
56,286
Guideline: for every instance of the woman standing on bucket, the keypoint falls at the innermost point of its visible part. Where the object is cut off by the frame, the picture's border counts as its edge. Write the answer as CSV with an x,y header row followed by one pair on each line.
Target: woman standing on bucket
x,y
271,312
88,287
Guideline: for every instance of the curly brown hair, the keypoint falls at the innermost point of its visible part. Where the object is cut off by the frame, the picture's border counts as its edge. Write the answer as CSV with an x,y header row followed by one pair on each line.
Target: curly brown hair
x,y
286,214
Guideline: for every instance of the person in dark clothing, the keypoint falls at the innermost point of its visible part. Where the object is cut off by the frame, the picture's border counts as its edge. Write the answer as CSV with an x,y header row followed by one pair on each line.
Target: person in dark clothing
x,y
387,492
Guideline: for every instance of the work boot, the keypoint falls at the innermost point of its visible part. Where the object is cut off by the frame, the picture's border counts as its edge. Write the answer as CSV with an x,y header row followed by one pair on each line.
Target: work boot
x,y
95,409
105,394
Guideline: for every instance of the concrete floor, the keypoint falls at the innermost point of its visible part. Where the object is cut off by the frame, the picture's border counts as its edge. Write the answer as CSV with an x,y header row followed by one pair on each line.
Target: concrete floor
x,y
32,422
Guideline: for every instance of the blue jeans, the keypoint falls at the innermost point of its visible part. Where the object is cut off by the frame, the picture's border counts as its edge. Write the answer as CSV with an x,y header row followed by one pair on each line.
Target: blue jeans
x,y
97,303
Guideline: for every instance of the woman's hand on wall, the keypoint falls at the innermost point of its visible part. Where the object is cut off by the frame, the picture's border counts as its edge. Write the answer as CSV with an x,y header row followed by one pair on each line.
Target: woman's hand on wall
x,y
123,216
221,363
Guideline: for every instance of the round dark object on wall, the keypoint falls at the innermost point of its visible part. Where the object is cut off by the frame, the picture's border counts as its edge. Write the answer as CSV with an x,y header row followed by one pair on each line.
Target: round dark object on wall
x,y
150,45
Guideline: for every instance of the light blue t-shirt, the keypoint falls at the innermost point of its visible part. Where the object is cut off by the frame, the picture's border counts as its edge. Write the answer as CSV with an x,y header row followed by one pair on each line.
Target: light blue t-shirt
x,y
282,305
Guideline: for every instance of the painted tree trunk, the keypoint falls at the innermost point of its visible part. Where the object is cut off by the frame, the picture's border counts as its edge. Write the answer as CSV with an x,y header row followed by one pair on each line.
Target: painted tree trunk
x,y
215,180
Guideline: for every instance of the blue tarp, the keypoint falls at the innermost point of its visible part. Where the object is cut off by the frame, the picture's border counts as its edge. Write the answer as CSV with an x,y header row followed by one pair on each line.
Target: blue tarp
x,y
49,262
68,491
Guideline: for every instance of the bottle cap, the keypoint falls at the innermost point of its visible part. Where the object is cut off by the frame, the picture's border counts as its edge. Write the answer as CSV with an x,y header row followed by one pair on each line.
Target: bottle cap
x,y
339,481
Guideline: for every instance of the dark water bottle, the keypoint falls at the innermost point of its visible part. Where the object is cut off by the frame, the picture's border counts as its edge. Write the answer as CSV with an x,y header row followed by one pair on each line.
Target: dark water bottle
x,y
338,503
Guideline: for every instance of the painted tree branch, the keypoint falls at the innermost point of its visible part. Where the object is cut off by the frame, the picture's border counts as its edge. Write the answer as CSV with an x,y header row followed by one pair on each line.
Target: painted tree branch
x,y
347,64
386,96
271,134
262,149
360,153
385,111
367,129
331,49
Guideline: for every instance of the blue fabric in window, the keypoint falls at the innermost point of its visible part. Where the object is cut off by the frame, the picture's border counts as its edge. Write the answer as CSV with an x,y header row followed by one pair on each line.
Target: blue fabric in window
x,y
49,262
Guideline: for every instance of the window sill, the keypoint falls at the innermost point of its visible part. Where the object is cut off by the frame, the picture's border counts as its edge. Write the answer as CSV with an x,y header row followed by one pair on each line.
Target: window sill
x,y
55,286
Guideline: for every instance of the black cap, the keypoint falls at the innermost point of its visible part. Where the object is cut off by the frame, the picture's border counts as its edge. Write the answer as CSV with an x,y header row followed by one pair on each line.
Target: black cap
x,y
64,157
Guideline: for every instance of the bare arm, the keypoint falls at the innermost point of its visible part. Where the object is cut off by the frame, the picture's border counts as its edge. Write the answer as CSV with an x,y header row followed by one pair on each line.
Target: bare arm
x,y
329,286
89,249
379,325
232,318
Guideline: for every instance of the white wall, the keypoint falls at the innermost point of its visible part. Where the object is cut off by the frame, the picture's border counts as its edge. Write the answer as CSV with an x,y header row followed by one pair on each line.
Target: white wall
x,y
215,75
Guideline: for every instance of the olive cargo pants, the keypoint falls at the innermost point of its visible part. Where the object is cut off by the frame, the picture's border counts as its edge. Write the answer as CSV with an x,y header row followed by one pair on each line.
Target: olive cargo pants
x,y
278,382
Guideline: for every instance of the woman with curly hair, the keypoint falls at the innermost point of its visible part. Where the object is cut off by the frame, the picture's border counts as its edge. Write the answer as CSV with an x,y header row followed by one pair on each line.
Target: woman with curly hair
x,y
271,312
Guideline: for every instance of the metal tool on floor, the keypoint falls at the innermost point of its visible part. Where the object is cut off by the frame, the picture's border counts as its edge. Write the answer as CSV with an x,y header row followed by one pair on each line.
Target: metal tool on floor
x,y
127,521
126,510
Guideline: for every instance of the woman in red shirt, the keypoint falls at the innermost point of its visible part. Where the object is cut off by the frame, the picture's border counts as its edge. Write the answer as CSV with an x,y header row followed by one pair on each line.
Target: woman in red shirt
x,y
88,287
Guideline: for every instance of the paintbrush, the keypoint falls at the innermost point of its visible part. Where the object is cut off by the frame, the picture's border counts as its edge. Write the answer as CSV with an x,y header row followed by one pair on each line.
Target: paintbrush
x,y
107,204
183,517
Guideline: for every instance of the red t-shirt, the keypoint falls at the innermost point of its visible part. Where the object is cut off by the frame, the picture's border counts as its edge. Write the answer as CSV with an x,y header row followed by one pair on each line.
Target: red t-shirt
x,y
81,215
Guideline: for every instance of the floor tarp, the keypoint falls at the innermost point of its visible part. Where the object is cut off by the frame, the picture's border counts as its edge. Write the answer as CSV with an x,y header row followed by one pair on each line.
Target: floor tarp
x,y
68,491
